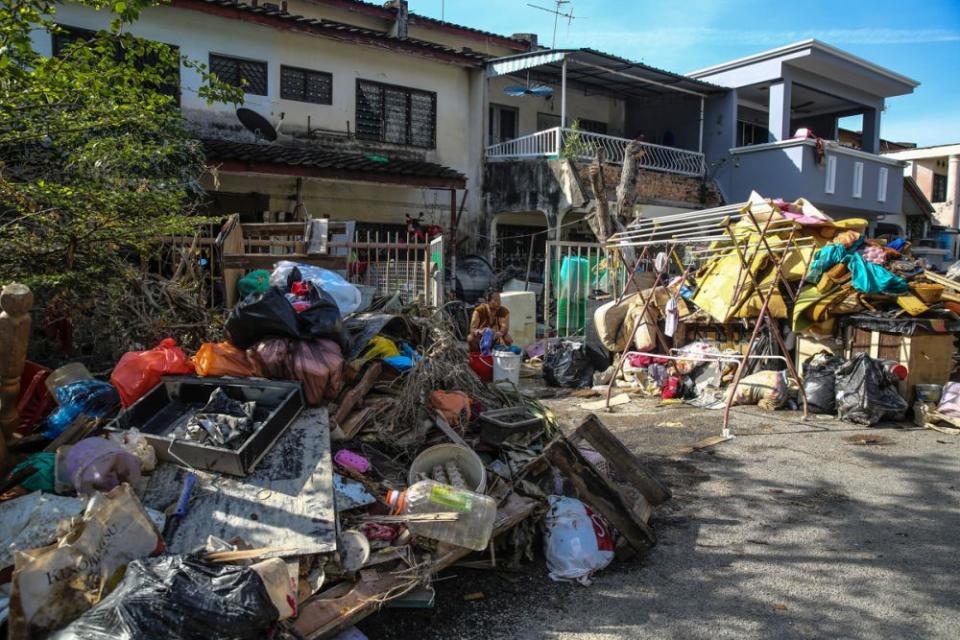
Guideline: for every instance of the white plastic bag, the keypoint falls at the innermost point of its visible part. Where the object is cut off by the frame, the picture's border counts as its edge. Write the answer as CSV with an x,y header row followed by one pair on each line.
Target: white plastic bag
x,y
577,541
345,294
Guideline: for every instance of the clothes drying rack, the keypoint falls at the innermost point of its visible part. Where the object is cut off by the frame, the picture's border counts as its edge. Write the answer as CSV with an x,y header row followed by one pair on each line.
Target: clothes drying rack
x,y
732,230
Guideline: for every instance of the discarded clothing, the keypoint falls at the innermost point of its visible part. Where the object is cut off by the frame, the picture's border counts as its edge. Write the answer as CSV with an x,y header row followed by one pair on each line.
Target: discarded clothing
x,y
42,479
318,364
867,277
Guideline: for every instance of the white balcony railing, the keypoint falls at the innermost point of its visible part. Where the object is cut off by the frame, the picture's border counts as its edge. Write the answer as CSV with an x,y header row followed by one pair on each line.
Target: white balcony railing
x,y
582,146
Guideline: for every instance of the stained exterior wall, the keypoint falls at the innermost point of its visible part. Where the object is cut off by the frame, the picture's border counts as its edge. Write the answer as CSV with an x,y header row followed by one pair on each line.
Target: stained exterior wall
x,y
460,117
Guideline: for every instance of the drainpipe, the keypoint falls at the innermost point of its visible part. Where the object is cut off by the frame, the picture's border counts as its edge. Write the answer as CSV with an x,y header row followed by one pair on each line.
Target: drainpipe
x,y
563,94
700,145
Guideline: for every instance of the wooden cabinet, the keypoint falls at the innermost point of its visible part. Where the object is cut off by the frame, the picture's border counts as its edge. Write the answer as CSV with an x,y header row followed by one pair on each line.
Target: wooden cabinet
x,y
928,357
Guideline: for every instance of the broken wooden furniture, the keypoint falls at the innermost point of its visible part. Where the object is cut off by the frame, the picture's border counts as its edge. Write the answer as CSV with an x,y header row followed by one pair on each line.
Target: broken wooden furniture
x,y
244,246
15,303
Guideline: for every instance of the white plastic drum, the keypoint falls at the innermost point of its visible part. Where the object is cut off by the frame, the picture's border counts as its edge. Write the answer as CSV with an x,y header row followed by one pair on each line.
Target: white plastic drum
x,y
506,366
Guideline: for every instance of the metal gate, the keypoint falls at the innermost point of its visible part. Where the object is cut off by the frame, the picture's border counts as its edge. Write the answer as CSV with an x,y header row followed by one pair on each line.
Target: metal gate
x,y
398,262
575,273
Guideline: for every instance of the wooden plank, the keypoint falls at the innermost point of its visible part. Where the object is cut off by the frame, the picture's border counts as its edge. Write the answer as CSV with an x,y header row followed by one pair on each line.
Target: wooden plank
x,y
599,405
230,242
288,228
267,260
623,462
322,616
355,421
601,494
357,393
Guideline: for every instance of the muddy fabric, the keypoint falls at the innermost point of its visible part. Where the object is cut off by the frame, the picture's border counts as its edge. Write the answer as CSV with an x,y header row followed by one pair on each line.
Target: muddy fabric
x,y
318,364
451,405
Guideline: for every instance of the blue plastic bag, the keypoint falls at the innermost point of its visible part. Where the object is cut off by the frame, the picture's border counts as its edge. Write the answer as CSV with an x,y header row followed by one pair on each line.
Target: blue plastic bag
x,y
93,398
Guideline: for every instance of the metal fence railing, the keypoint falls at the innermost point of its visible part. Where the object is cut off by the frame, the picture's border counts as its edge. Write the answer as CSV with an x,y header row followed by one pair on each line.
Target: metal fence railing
x,y
582,145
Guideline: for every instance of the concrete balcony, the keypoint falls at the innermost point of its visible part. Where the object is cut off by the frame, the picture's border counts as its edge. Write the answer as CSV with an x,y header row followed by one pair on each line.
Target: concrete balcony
x,y
582,146
844,180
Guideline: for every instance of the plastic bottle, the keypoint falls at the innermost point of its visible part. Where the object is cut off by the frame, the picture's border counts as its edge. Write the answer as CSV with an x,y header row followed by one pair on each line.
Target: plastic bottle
x,y
472,529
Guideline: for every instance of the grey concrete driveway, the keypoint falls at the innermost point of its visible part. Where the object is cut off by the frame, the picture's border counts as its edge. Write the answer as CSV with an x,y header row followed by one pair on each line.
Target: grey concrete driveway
x,y
787,531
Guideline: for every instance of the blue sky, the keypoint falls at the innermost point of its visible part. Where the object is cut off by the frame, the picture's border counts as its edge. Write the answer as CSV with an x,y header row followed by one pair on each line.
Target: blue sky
x,y
919,39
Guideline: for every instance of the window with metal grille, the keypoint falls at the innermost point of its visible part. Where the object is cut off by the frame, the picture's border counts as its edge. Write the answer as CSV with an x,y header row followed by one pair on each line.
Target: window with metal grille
x,y
305,85
399,115
247,74
67,36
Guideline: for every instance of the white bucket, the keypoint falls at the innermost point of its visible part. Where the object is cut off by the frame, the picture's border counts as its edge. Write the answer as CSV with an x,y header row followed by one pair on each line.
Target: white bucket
x,y
469,463
506,366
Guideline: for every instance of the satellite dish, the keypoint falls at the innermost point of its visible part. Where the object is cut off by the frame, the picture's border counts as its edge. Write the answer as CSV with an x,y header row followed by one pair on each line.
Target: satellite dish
x,y
256,124
539,90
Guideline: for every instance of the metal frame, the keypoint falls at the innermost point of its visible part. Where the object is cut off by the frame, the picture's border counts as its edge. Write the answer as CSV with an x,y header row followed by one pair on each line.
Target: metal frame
x,y
716,228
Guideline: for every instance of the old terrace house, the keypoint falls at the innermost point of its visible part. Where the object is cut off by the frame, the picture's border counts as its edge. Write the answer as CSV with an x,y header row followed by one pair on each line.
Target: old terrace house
x,y
382,112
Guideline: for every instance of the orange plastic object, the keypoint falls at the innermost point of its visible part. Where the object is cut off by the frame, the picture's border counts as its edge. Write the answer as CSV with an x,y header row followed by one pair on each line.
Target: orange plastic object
x,y
139,371
222,359
451,405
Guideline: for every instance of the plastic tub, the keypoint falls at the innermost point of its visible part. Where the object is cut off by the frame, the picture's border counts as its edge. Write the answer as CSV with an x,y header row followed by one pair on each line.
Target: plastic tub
x,y
73,372
517,425
928,392
506,366
469,463
482,365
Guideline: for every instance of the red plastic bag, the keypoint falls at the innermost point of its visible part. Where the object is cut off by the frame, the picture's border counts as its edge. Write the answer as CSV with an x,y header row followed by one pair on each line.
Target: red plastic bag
x,y
222,359
139,371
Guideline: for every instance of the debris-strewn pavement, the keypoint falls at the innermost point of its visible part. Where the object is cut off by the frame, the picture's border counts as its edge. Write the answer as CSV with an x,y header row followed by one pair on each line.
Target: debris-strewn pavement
x,y
791,530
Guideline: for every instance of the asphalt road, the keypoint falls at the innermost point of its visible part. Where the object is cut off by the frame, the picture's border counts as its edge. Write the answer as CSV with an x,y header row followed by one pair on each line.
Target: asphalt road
x,y
790,530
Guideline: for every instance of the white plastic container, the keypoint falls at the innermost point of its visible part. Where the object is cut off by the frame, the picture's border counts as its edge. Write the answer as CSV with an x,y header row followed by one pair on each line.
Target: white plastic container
x,y
467,461
476,513
506,366
522,306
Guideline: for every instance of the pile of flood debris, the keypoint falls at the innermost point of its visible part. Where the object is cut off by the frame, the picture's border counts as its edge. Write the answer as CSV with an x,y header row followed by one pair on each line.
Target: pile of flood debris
x,y
293,478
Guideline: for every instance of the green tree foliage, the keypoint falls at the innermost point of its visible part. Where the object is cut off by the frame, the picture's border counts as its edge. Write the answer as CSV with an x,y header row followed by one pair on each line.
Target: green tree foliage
x,y
96,162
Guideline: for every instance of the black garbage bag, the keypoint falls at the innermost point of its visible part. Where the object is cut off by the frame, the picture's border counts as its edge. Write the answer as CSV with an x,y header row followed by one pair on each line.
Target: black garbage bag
x,y
322,318
568,365
176,598
819,382
270,315
262,315
867,392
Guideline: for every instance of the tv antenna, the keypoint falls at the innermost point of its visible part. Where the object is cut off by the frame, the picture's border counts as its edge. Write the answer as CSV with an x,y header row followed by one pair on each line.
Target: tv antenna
x,y
557,13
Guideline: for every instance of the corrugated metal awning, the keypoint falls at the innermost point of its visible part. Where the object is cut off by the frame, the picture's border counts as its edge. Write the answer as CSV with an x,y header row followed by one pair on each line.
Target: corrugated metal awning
x,y
600,72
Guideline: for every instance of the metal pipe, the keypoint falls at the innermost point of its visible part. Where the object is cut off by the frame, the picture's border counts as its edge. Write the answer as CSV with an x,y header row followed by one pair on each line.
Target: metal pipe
x,y
700,145
563,95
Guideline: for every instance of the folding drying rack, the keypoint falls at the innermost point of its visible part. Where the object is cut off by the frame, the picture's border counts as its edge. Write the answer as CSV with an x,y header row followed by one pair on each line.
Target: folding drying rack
x,y
722,231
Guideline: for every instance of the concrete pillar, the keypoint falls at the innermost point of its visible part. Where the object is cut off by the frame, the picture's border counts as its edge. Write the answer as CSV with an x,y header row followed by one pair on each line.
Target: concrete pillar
x,y
953,188
871,131
779,103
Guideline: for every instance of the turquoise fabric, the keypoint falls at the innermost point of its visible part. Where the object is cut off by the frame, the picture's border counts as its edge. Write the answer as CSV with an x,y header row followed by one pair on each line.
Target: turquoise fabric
x,y
866,277
42,478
